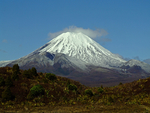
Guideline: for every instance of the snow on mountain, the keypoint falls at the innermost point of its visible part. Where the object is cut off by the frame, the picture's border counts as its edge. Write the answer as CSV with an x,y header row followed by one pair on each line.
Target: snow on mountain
x,y
80,46
68,61
143,65
47,62
74,51
32,59
4,63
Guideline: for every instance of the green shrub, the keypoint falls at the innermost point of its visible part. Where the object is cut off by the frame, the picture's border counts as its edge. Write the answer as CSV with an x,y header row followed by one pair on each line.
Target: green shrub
x,y
51,76
120,83
7,94
72,87
37,90
100,90
89,92
30,96
2,82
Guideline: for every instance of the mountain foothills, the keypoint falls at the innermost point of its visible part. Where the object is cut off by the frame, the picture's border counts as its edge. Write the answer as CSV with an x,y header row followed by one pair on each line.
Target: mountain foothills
x,y
77,56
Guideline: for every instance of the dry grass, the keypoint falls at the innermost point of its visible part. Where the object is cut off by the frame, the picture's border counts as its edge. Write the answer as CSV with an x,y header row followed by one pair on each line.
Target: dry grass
x,y
82,109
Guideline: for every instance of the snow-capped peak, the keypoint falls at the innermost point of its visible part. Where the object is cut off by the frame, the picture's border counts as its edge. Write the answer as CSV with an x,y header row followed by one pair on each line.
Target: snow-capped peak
x,y
80,46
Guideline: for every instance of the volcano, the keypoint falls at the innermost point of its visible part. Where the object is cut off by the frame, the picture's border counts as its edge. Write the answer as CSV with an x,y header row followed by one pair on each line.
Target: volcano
x,y
82,47
75,54
76,49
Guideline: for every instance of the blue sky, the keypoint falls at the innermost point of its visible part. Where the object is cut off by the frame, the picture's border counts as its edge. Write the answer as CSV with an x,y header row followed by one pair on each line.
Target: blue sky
x,y
25,24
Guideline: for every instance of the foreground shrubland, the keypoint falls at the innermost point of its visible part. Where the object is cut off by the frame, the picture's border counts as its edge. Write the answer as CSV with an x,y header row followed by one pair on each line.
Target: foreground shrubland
x,y
27,88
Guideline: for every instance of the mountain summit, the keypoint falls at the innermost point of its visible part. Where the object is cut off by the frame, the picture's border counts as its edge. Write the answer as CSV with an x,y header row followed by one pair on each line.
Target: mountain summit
x,y
80,46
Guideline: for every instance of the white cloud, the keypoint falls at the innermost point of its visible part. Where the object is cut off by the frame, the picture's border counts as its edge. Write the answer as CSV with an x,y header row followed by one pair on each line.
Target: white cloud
x,y
88,32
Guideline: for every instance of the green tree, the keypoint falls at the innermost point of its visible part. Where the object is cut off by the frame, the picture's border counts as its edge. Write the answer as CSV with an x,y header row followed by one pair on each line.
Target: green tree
x,y
2,81
16,69
8,81
34,71
51,76
15,76
7,94
16,72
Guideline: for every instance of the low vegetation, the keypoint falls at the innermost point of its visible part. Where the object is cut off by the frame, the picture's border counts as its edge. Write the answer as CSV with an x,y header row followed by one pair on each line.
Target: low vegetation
x,y
27,88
